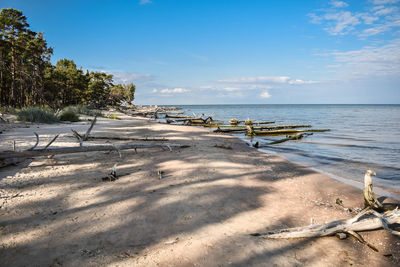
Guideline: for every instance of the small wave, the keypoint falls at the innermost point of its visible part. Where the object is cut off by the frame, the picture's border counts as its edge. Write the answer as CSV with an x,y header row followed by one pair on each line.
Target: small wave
x,y
329,159
348,138
353,146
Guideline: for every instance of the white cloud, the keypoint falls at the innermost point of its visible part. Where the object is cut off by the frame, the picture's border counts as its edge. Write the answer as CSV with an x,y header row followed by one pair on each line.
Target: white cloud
x,y
127,77
230,89
260,82
371,61
368,18
265,95
379,18
237,87
342,22
145,2
383,2
297,81
154,90
174,91
339,4
385,11
259,79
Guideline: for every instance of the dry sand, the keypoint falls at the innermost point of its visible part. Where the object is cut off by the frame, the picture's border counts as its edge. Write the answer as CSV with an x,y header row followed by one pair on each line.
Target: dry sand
x,y
59,212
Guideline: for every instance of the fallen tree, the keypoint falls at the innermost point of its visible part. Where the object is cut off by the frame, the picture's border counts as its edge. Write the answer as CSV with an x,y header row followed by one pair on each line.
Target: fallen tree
x,y
162,139
228,129
252,132
367,219
66,150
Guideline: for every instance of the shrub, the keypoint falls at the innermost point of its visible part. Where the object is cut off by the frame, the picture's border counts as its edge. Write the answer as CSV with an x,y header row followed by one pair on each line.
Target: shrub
x,y
85,110
69,114
36,114
114,117
8,110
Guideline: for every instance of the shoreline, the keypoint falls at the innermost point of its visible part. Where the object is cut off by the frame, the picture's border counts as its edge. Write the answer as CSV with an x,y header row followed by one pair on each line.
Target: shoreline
x,y
212,196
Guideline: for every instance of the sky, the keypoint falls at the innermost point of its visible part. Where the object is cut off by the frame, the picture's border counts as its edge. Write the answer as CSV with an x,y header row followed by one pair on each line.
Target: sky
x,y
231,51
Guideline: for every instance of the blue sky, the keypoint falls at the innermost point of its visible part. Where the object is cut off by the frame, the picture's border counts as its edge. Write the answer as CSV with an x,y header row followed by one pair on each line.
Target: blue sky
x,y
234,51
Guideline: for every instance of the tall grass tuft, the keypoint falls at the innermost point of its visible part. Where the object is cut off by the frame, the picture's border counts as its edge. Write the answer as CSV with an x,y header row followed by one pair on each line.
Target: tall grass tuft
x,y
37,114
69,114
83,109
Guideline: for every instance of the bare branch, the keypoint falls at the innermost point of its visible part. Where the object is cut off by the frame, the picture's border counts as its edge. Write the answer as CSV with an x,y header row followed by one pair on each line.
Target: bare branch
x,y
37,142
52,140
85,137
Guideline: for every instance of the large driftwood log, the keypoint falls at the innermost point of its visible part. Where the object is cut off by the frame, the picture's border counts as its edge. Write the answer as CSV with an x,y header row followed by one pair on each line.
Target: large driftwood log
x,y
228,129
127,138
252,132
67,150
361,222
368,219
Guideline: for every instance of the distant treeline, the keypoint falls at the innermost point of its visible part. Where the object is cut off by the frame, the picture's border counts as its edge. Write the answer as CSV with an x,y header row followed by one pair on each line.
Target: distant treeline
x,y
27,78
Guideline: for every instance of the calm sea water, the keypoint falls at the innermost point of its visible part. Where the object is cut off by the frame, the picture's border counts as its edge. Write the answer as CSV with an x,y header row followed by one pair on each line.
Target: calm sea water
x,y
362,136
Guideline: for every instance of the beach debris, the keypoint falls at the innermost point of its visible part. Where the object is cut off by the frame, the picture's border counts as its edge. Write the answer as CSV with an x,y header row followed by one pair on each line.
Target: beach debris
x,y
37,142
367,219
370,199
234,121
223,147
67,150
52,141
240,128
172,241
113,174
252,132
84,137
248,122
162,139
294,137
341,235
147,111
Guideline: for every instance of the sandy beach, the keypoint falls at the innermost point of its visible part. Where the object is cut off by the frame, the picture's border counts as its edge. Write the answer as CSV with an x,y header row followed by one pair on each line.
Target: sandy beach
x,y
211,197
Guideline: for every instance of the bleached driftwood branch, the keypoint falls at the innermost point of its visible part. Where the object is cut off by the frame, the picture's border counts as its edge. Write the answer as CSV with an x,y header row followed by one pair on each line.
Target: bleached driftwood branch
x,y
367,219
67,150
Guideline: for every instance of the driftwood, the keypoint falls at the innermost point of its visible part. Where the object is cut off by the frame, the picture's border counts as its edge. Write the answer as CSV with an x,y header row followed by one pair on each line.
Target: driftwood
x,y
367,219
251,132
295,137
235,122
263,122
84,137
370,199
176,116
191,120
228,129
67,150
37,142
127,138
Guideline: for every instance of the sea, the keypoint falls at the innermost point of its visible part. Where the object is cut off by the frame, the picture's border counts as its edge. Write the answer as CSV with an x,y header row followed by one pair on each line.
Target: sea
x,y
361,137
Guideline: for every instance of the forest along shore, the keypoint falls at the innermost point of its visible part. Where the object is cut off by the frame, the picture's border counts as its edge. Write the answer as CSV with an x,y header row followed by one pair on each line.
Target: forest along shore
x,y
192,205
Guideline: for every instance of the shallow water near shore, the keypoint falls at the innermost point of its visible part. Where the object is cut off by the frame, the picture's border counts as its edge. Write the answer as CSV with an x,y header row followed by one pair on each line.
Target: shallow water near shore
x,y
362,137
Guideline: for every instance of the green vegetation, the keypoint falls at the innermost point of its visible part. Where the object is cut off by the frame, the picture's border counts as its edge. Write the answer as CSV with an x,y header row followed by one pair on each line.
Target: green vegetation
x,y
114,117
36,114
27,77
69,114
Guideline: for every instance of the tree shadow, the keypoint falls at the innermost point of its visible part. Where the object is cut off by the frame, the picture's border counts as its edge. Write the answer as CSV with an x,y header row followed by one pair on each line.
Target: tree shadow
x,y
70,216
